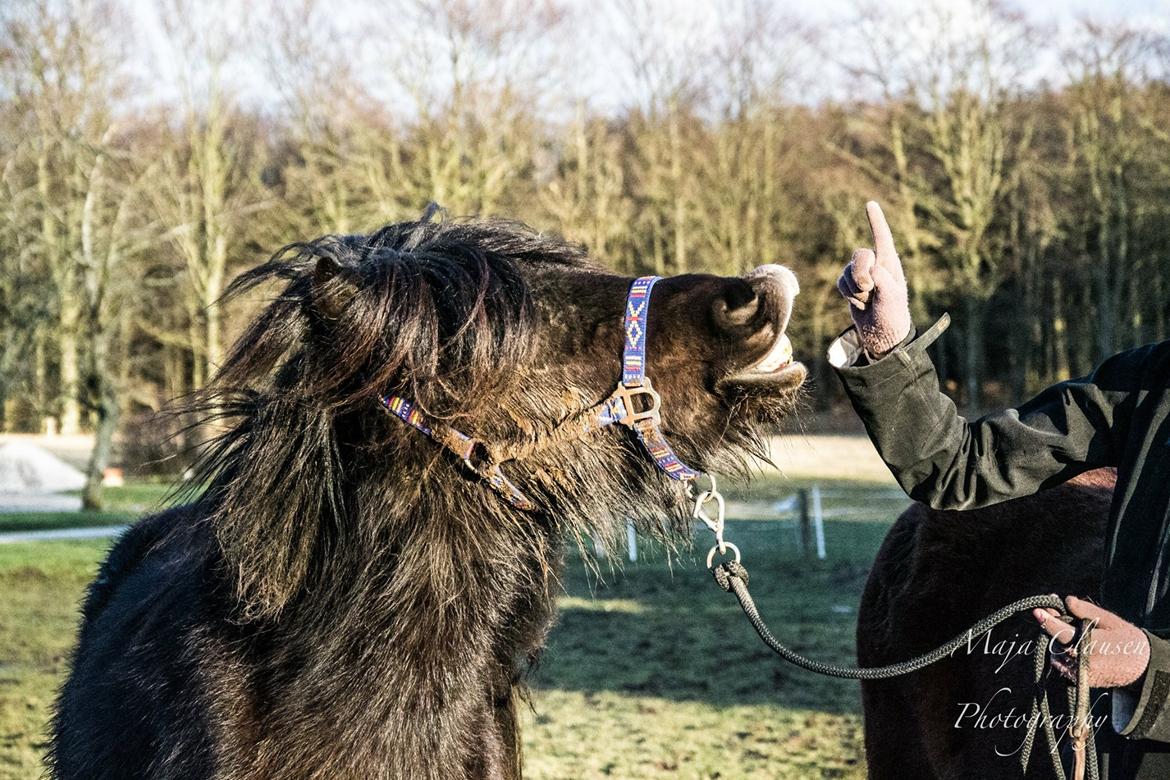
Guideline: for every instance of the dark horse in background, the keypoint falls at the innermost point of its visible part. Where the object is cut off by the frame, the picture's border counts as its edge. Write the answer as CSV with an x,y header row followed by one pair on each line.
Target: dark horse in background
x,y
344,598
936,574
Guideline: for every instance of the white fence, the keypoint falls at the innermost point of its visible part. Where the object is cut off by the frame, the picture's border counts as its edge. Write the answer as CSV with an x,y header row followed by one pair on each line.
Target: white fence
x,y
804,511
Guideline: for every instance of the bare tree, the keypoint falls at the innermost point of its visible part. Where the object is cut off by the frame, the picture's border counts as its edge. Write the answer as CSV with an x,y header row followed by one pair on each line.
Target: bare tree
x,y
668,138
955,74
61,68
587,196
1107,140
207,185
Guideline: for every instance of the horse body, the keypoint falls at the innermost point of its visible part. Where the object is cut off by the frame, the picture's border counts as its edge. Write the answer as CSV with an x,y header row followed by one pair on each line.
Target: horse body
x,y
936,574
344,599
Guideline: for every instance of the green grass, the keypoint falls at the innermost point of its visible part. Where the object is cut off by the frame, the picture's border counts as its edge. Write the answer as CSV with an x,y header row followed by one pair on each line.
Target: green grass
x,y
651,671
42,585
136,497
654,672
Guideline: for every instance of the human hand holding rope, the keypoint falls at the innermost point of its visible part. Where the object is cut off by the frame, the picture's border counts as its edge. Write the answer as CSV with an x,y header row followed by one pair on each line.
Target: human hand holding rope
x,y
1118,653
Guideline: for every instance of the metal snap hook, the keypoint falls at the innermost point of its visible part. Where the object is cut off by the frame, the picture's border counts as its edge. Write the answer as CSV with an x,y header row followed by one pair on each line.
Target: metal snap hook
x,y
692,485
700,511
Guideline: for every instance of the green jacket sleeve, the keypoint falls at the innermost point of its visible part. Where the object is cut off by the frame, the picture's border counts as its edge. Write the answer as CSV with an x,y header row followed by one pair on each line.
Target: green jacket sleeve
x,y
1145,714
943,460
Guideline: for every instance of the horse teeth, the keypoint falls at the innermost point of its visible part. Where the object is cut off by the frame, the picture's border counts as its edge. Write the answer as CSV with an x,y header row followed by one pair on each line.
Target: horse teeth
x,y
779,356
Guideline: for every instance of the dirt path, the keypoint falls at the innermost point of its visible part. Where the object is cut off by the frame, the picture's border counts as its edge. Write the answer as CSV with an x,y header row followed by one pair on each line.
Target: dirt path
x,y
830,456
96,532
39,502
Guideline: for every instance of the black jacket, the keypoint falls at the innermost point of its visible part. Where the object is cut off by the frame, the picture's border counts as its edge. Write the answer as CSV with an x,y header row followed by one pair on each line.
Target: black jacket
x,y
1119,415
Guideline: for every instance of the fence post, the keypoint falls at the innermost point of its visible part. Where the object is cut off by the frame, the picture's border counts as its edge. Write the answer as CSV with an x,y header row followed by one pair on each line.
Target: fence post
x,y
806,536
632,541
818,521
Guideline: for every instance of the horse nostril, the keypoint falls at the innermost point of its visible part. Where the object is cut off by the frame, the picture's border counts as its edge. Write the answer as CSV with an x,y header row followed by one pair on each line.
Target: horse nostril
x,y
737,306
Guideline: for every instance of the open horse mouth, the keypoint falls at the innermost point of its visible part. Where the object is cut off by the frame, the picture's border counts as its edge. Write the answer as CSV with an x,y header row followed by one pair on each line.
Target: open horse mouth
x,y
778,358
775,290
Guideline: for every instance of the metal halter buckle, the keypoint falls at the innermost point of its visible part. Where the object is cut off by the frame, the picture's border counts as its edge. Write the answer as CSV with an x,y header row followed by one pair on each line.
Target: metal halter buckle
x,y
626,394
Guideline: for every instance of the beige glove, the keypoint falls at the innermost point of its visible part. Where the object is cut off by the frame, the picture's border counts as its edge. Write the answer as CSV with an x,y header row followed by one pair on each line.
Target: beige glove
x,y
1119,651
875,287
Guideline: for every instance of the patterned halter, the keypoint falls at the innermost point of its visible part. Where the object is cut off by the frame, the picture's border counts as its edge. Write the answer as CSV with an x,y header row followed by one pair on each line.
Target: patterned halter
x,y
633,403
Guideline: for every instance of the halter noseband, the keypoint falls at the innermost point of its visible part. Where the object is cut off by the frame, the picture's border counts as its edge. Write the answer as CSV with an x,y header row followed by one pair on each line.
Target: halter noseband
x,y
633,403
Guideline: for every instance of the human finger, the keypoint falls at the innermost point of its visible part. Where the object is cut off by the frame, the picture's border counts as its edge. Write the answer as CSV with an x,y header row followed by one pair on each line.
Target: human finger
x,y
861,268
883,238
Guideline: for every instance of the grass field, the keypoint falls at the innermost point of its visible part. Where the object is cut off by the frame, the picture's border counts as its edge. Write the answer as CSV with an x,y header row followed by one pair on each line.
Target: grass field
x,y
651,671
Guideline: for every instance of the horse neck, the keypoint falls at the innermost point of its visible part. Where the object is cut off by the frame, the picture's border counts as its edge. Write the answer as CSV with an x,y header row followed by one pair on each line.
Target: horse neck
x,y
409,655
444,578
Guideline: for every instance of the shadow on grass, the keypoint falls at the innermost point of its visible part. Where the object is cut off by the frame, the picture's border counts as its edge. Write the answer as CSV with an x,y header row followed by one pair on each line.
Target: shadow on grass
x,y
668,631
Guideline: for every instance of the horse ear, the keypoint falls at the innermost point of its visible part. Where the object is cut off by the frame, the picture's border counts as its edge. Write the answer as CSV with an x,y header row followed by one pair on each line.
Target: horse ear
x,y
331,291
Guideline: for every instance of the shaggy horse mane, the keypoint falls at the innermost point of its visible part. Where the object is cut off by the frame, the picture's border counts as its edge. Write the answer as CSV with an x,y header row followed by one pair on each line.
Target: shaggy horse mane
x,y
435,311
343,597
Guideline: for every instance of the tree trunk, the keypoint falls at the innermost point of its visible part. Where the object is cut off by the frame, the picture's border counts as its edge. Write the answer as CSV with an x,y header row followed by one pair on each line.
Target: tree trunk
x,y
174,371
198,351
1022,337
108,412
40,385
214,334
1158,296
70,381
1103,293
974,309
1061,363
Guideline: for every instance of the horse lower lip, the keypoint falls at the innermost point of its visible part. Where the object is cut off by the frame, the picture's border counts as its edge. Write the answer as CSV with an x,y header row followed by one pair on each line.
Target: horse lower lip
x,y
770,370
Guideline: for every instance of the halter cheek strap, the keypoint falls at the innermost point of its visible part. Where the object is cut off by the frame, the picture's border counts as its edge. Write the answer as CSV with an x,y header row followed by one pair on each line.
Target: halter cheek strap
x,y
464,446
633,403
646,424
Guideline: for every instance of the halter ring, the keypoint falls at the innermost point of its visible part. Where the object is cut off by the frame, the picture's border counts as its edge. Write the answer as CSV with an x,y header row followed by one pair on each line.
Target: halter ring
x,y
715,549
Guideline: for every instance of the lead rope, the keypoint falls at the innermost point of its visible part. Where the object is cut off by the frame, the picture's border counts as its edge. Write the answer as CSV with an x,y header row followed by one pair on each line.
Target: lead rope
x,y
732,577
1084,749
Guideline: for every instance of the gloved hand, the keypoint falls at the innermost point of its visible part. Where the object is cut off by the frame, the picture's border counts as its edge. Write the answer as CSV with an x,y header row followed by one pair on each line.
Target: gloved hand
x,y
1119,651
875,287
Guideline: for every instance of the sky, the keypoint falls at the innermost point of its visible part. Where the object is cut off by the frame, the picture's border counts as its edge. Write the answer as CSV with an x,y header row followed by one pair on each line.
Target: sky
x,y
595,62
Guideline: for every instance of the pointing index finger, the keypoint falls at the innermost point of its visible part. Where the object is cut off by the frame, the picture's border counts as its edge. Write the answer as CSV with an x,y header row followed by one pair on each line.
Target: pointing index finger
x,y
883,239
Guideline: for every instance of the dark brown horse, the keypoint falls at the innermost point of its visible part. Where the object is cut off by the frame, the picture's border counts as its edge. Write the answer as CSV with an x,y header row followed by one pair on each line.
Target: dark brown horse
x,y
345,598
937,573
